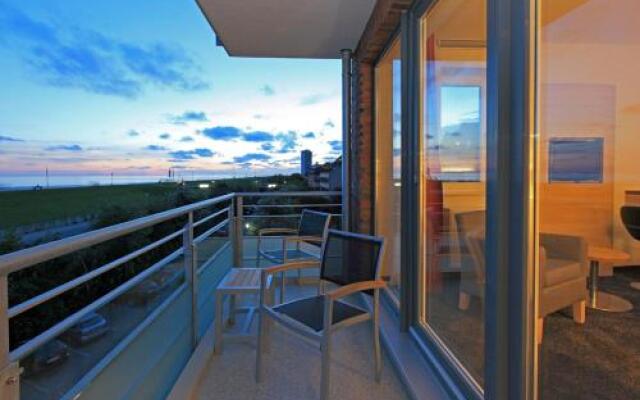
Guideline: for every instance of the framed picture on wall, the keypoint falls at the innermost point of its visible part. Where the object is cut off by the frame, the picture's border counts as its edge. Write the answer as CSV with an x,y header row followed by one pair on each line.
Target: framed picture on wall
x,y
576,159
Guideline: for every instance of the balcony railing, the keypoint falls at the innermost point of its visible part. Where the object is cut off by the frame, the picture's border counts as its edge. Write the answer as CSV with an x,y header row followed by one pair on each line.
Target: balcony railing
x,y
132,336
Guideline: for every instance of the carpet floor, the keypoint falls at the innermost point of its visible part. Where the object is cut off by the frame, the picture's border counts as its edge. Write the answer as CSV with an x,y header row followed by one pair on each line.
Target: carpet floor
x,y
599,360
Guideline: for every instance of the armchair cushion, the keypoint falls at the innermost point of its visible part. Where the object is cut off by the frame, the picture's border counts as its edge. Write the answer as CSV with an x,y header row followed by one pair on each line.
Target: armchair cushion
x,y
310,311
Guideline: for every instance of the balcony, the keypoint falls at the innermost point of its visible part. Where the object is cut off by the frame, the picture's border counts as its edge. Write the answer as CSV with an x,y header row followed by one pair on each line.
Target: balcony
x,y
140,325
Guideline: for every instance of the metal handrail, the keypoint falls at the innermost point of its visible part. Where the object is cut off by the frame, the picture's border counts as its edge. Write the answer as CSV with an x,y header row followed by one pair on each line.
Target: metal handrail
x,y
291,205
26,258
30,346
210,217
58,290
289,194
21,259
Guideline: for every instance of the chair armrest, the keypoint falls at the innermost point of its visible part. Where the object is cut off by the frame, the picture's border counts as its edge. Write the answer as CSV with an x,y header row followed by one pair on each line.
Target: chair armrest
x,y
268,231
290,266
315,239
567,247
354,288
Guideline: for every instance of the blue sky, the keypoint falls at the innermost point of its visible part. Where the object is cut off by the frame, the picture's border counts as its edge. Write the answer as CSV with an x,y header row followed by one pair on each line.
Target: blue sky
x,y
136,87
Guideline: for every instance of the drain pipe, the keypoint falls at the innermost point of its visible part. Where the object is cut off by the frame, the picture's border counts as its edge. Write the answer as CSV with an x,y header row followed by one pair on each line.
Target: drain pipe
x,y
346,55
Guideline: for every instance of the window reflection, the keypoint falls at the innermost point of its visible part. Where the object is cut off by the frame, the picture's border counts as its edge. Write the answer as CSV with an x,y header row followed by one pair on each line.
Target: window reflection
x,y
388,161
453,180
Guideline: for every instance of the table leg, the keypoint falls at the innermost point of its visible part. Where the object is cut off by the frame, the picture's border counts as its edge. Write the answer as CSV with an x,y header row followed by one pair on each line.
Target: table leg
x,y
594,268
604,301
232,310
217,345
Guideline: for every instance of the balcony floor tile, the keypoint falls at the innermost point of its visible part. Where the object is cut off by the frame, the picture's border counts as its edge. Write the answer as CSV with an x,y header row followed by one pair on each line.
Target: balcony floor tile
x,y
292,368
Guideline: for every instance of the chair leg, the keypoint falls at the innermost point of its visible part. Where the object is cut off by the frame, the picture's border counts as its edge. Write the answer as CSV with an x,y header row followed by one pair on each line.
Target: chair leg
x,y
376,337
464,300
258,254
539,330
260,344
326,365
579,311
282,284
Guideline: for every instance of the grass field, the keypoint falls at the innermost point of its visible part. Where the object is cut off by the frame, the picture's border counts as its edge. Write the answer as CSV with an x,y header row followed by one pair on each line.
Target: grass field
x,y
29,207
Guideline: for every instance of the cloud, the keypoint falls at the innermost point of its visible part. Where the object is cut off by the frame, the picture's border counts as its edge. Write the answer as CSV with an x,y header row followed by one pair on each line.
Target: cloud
x,y
267,90
336,145
288,141
313,99
133,133
258,136
186,139
309,135
9,139
329,124
184,155
71,147
260,116
155,147
188,116
247,158
267,146
222,133
164,136
71,57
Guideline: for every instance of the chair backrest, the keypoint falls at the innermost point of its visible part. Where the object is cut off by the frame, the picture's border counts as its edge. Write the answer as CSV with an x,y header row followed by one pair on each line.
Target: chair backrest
x,y
350,257
631,219
471,226
467,223
313,223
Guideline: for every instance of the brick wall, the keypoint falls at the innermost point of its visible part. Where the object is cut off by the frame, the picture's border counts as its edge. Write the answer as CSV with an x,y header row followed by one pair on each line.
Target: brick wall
x,y
383,23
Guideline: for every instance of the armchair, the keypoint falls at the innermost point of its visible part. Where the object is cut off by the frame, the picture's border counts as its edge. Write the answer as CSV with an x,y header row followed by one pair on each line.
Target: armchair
x,y
348,260
562,273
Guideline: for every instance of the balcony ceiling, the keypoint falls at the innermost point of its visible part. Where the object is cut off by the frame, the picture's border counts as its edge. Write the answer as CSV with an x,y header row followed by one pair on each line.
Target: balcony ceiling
x,y
287,28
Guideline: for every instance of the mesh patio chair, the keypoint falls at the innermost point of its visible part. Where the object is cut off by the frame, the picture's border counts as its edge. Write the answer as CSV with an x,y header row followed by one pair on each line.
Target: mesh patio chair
x,y
298,244
348,260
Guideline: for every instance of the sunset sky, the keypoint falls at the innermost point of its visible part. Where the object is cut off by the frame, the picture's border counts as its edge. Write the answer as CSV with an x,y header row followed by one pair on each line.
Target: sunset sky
x,y
136,87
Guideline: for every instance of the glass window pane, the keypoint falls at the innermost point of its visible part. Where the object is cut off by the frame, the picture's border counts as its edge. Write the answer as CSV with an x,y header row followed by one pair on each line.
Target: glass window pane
x,y
388,162
588,186
453,168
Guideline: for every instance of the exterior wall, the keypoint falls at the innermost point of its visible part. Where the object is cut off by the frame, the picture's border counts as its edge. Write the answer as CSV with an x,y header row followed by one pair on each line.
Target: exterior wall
x,y
381,27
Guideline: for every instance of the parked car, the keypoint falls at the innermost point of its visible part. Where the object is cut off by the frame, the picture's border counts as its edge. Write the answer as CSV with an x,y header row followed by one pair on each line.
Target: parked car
x,y
49,355
90,327
160,282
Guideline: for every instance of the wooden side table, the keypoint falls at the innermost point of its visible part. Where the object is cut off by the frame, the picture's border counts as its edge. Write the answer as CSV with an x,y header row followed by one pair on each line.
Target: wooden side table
x,y
600,300
238,281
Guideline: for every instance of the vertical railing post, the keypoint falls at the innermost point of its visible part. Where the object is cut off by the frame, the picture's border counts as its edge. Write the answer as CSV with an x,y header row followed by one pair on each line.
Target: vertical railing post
x,y
9,372
238,243
191,273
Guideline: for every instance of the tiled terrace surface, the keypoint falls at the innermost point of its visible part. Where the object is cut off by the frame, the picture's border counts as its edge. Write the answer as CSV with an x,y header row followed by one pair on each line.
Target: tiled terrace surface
x,y
292,367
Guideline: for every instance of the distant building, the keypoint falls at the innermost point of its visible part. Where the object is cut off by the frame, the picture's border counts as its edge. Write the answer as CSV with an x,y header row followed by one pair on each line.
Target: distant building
x,y
327,176
305,162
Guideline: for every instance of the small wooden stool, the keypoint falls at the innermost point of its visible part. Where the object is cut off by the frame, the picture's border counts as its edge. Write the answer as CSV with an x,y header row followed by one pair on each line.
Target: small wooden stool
x,y
238,281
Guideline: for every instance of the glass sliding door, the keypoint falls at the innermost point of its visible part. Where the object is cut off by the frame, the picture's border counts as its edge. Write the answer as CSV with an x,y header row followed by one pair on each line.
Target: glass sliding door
x,y
388,162
453,179
588,198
